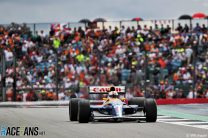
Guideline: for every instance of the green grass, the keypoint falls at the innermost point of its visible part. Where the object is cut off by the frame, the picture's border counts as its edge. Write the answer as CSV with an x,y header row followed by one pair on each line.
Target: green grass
x,y
181,115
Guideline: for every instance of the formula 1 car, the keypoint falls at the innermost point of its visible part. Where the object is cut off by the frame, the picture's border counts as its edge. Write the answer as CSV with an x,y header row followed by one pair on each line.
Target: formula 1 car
x,y
112,107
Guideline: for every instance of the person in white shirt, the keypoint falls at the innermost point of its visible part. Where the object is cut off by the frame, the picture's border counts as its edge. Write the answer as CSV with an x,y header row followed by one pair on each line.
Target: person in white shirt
x,y
186,77
191,95
8,55
188,54
42,34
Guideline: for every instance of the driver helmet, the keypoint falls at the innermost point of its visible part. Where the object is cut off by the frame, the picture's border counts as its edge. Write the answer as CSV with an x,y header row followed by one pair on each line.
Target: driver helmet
x,y
113,93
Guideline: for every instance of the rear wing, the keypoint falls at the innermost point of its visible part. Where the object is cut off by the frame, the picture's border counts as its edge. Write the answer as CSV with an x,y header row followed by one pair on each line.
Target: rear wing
x,y
106,89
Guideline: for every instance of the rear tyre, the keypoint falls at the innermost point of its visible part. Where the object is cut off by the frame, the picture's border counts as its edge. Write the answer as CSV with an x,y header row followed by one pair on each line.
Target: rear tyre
x,y
84,111
150,110
73,109
137,101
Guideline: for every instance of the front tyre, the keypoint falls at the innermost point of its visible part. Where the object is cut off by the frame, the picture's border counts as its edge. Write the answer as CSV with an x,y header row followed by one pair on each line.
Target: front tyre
x,y
150,110
73,109
84,111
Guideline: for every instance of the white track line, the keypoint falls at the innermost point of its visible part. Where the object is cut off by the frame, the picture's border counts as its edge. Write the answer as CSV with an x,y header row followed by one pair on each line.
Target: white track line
x,y
182,122
172,120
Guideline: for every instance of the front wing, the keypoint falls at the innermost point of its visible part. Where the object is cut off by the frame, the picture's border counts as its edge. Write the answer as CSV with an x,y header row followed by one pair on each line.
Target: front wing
x,y
135,116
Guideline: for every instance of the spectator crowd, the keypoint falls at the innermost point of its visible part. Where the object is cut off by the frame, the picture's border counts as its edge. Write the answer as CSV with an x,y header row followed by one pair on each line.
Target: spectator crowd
x,y
157,62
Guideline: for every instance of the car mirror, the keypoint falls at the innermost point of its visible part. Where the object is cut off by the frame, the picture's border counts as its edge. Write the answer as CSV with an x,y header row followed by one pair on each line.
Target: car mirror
x,y
105,99
123,99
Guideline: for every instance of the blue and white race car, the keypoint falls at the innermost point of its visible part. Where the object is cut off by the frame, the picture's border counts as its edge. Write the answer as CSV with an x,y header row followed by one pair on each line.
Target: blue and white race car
x,y
112,107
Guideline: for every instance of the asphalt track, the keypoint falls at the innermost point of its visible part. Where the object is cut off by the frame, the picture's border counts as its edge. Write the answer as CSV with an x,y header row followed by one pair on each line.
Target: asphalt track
x,y
55,122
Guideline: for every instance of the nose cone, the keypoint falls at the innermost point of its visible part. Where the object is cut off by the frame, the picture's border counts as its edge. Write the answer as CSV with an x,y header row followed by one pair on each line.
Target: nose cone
x,y
117,110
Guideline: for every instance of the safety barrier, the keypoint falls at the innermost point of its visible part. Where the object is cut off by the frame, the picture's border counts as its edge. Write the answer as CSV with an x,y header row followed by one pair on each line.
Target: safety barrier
x,y
66,103
182,101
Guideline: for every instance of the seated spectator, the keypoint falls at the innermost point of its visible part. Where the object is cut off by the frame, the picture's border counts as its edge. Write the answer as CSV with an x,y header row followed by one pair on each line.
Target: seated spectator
x,y
197,29
32,96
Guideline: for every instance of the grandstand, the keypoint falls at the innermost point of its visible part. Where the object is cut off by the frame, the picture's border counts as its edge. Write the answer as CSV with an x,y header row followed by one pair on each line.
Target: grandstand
x,y
160,59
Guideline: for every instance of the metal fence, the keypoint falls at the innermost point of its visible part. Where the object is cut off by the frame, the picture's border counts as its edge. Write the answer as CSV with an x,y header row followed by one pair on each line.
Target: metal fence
x,y
173,23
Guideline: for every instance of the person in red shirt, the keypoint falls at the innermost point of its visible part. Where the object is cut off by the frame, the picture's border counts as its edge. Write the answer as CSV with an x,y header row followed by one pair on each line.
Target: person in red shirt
x,y
31,96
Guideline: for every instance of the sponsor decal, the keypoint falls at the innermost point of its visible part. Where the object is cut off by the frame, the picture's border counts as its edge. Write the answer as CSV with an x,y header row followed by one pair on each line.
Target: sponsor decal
x,y
106,89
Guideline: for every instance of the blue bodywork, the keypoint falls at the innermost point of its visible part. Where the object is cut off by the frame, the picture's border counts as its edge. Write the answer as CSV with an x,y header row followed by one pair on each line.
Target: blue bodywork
x,y
115,108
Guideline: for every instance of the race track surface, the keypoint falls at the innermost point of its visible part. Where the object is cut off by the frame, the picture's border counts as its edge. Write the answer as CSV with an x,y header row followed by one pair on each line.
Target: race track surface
x,y
55,122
